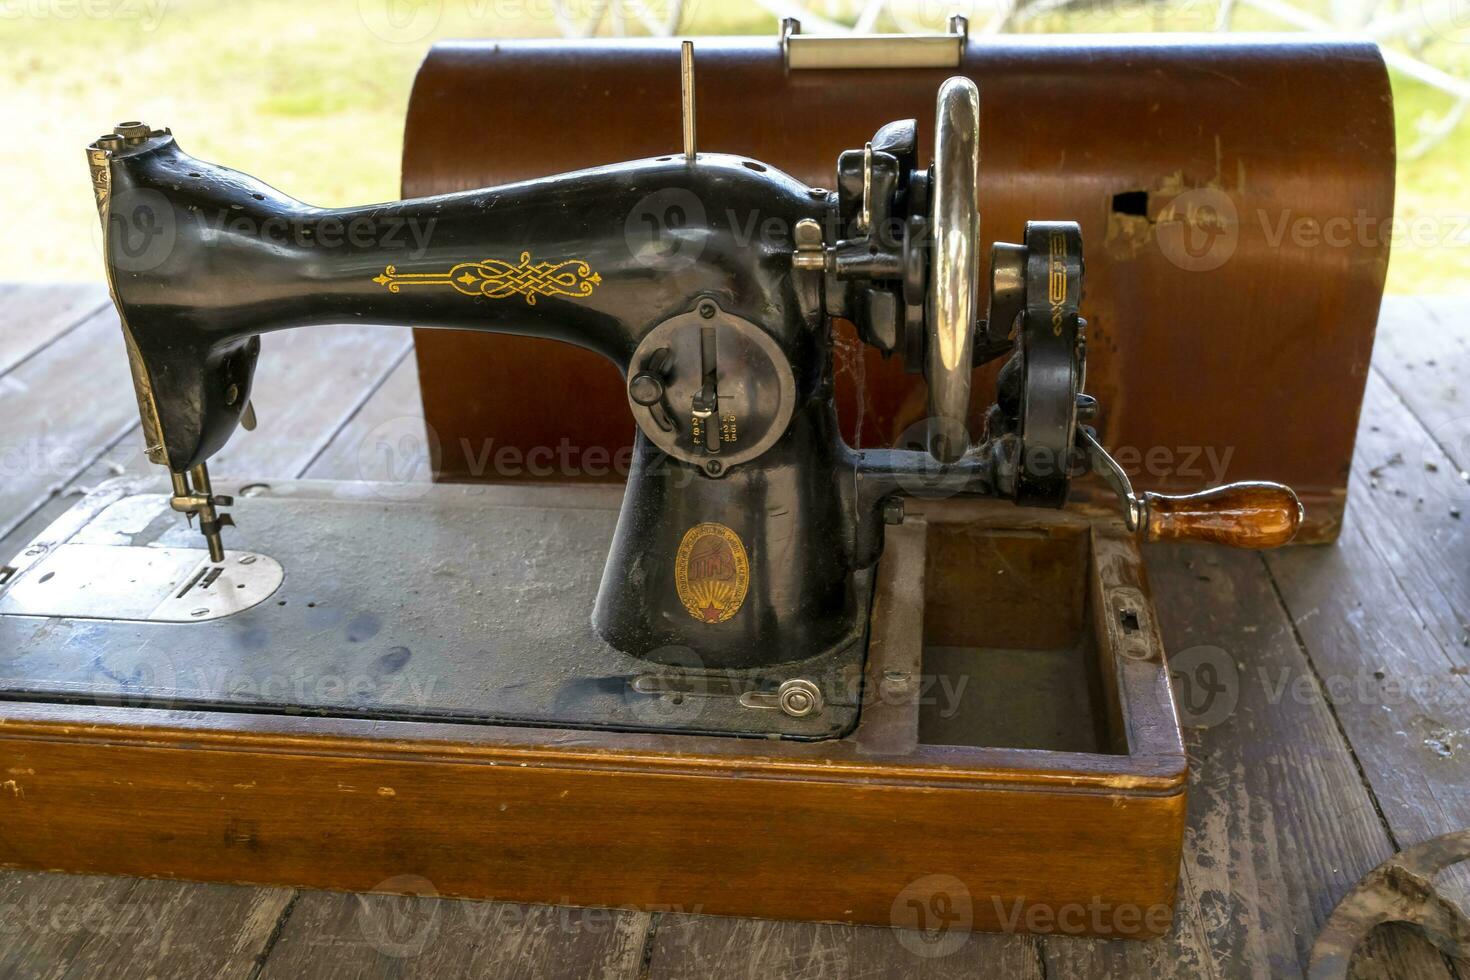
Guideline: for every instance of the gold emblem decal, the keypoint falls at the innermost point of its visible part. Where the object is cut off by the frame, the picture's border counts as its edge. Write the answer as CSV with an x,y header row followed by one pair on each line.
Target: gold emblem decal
x,y
711,572
1056,279
497,279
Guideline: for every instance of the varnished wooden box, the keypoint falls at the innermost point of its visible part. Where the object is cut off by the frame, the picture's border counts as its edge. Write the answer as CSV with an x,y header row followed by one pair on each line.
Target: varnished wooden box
x,y
1182,162
1017,765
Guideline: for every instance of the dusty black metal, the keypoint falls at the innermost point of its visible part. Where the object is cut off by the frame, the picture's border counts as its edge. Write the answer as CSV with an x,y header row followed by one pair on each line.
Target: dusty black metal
x,y
204,259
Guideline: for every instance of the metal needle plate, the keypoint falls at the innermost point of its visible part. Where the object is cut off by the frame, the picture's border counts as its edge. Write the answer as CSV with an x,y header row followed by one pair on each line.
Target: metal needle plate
x,y
146,584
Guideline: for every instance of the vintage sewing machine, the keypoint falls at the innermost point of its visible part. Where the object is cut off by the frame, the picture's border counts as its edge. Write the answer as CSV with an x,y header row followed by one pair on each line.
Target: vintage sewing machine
x,y
747,589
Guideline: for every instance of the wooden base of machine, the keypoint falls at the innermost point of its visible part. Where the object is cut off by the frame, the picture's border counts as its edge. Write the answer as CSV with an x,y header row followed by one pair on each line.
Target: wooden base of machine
x,y
1017,766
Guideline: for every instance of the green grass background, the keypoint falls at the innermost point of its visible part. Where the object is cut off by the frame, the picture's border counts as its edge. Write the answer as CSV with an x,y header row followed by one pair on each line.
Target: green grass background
x,y
306,96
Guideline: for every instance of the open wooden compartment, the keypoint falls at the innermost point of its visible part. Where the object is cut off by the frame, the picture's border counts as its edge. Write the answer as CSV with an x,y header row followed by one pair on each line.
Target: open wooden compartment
x,y
1052,800
1011,653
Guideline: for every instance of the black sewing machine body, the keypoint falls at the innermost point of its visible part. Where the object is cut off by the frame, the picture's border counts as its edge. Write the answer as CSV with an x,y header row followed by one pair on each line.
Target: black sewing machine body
x,y
748,528
272,263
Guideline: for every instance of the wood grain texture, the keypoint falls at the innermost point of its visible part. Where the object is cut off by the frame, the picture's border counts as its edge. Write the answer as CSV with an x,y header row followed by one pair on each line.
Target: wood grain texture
x,y
35,315
308,384
1384,615
1238,515
1266,856
385,439
1229,128
687,946
1423,352
334,936
1413,474
61,408
132,928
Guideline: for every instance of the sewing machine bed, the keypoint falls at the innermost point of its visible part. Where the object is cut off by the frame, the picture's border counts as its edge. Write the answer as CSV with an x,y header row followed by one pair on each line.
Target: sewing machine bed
x,y
415,691
465,605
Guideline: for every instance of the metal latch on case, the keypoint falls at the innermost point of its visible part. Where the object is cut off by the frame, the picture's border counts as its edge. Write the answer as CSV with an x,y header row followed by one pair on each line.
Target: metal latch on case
x,y
818,51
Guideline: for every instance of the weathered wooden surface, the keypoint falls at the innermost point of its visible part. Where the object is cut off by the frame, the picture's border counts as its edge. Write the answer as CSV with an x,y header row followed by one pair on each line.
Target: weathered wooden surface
x,y
1341,734
352,937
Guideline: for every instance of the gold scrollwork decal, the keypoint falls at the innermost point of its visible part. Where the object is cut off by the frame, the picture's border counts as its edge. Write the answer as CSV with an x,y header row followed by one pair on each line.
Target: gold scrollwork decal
x,y
497,279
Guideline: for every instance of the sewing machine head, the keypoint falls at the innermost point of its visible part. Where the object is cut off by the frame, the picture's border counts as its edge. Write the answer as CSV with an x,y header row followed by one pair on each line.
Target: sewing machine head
x,y
747,524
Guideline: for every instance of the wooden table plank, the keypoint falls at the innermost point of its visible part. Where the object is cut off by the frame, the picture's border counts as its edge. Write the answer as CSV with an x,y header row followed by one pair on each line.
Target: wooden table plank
x,y
308,384
331,936
1411,491
1280,825
61,408
33,316
132,928
1423,351
1384,616
753,949
385,440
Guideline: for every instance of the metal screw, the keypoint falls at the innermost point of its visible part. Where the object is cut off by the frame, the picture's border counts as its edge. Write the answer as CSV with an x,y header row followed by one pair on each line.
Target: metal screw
x,y
707,309
799,697
199,612
714,467
893,510
247,559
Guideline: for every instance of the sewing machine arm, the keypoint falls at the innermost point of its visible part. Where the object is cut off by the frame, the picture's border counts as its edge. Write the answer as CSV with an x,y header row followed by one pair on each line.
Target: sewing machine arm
x,y
204,259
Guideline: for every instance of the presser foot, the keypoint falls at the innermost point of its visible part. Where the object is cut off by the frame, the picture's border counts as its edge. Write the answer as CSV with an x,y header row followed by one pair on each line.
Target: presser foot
x,y
200,500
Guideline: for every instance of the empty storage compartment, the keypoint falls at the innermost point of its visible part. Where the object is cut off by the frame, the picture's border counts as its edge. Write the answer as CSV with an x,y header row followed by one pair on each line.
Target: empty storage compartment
x,y
1011,656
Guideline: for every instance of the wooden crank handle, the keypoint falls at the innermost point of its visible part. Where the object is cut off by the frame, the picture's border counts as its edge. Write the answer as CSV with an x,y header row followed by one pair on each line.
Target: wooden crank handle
x,y
1242,515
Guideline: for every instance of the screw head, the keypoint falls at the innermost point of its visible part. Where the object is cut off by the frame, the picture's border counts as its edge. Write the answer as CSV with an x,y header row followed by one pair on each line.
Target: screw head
x,y
799,697
707,309
893,510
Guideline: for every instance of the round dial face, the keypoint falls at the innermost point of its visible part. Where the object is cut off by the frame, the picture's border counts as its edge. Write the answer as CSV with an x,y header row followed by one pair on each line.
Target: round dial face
x,y
710,388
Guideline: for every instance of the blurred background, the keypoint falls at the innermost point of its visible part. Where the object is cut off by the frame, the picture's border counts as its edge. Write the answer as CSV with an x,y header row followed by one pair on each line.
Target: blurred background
x,y
309,95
